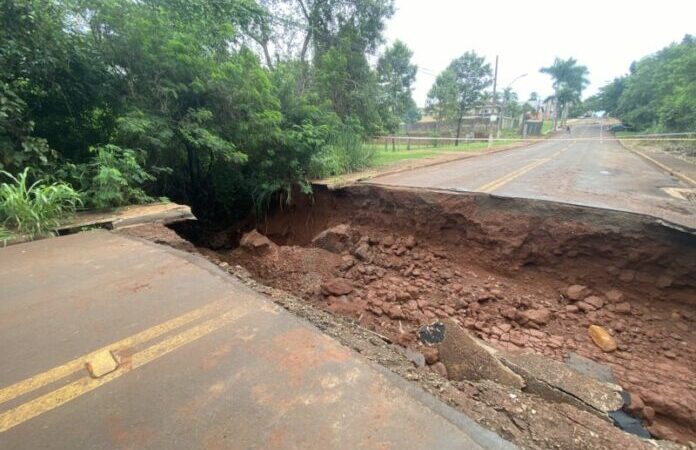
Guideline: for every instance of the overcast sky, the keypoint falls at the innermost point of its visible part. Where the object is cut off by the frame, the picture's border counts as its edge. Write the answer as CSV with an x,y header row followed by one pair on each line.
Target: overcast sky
x,y
606,36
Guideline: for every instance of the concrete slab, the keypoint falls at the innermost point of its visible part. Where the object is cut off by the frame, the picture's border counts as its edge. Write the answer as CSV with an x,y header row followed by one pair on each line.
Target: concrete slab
x,y
205,362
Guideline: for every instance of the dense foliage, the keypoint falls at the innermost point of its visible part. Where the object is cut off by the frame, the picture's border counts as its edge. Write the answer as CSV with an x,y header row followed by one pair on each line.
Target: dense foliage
x,y
218,104
659,93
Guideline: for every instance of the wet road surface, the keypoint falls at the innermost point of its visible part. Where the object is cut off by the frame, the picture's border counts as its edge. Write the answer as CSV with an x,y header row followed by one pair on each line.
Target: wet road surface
x,y
582,167
203,361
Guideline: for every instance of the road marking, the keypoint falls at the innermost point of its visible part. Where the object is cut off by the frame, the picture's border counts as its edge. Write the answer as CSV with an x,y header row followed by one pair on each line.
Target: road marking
x,y
505,179
669,170
55,374
63,395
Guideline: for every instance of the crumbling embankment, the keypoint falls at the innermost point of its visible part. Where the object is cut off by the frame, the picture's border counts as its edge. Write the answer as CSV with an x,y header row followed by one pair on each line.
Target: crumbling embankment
x,y
523,275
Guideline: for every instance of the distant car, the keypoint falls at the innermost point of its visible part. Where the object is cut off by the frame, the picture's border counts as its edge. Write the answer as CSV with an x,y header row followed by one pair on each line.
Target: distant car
x,y
619,127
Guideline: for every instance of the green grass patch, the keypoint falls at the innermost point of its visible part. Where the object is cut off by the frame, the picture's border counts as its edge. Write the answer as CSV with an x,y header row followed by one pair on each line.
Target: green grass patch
x,y
547,126
387,157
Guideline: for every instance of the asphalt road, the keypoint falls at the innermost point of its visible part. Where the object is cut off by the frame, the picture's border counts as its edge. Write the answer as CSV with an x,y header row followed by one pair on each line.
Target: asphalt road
x,y
203,361
580,168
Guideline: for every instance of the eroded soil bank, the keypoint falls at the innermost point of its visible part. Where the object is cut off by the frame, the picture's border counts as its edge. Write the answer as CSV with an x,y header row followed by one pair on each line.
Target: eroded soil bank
x,y
525,276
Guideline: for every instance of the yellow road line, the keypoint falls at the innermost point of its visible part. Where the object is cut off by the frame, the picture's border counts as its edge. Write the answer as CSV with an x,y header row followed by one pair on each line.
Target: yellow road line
x,y
505,179
55,374
495,184
60,396
676,173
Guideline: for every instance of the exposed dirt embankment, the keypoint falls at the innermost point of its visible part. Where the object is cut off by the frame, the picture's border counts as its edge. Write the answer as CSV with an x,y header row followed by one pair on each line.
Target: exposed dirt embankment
x,y
600,248
523,275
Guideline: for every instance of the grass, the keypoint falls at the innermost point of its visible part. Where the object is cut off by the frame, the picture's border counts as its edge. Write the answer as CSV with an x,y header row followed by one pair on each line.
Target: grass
x,y
547,126
382,157
34,209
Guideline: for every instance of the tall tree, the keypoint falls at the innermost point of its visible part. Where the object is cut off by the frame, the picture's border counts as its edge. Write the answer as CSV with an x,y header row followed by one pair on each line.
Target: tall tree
x,y
459,88
396,75
569,79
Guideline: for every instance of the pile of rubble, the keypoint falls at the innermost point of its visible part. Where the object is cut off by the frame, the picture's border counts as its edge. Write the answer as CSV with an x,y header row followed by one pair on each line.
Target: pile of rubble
x,y
394,285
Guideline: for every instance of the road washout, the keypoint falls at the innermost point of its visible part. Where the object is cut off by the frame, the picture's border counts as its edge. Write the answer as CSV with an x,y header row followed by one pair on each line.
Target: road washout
x,y
522,275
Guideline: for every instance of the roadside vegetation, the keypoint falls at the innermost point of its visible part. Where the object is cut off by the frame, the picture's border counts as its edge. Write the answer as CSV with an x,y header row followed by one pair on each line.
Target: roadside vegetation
x,y
658,94
34,209
215,104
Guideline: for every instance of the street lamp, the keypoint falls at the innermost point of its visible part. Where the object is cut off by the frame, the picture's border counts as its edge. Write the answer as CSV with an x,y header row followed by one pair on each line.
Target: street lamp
x,y
502,109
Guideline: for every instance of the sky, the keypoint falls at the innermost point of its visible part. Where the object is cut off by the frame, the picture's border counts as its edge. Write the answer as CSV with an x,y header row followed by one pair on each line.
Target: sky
x,y
606,36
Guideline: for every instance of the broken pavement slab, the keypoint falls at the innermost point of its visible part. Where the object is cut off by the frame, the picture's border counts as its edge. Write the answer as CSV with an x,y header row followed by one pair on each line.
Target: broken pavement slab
x,y
254,376
557,382
467,358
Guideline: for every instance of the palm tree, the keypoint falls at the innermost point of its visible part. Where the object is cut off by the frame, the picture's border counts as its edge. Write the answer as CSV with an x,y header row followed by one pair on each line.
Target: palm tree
x,y
569,79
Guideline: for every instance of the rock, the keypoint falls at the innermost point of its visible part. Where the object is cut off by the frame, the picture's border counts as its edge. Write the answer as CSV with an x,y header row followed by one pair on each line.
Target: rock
x,y
388,241
648,414
595,301
572,308
440,369
415,357
467,358
539,316
396,313
431,355
519,339
614,295
410,242
362,251
623,308
257,244
432,334
347,261
585,307
337,286
636,405
577,292
602,338
335,239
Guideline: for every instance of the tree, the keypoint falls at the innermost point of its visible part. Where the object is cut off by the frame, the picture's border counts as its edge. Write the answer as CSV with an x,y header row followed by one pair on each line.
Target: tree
x,y
569,79
459,88
660,90
510,104
396,75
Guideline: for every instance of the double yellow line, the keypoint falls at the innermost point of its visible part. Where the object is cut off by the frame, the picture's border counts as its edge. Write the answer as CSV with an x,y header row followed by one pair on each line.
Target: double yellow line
x,y
505,179
62,395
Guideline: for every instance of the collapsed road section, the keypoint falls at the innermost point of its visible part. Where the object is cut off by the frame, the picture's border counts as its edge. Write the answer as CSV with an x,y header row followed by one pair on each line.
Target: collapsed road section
x,y
611,295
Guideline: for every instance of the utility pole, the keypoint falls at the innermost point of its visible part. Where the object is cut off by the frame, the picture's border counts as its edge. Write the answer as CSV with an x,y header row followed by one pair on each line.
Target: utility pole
x,y
495,84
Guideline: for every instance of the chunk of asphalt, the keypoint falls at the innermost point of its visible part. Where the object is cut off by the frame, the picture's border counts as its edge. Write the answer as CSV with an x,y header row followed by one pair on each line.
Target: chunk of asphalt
x,y
467,358
432,334
598,371
629,424
557,382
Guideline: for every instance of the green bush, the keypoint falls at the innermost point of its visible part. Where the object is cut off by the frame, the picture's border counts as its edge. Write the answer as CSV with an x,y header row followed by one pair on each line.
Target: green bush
x,y
344,152
116,177
38,208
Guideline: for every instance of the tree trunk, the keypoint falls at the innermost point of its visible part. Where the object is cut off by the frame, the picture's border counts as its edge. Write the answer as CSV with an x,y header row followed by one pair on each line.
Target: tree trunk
x,y
459,129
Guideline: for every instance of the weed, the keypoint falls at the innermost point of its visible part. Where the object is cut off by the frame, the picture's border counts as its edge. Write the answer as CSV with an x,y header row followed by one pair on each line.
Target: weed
x,y
35,209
